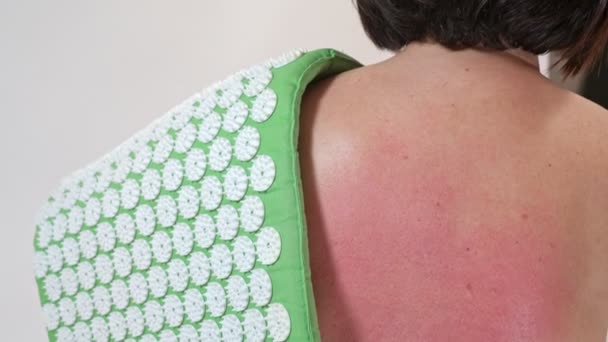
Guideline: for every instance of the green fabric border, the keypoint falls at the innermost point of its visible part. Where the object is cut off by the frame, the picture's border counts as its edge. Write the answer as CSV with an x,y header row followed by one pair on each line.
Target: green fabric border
x,y
294,288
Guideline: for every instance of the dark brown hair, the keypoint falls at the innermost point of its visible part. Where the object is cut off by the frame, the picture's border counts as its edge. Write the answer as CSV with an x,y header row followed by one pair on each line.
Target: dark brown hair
x,y
578,28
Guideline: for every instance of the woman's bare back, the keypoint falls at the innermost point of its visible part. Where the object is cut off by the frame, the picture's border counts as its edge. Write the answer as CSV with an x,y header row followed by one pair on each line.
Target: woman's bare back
x,y
445,205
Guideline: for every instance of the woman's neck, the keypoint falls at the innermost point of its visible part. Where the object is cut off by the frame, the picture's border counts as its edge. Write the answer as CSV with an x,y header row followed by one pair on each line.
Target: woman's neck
x,y
527,57
437,54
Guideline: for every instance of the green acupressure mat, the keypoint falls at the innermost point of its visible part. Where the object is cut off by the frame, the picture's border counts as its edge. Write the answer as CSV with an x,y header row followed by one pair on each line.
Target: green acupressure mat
x,y
194,228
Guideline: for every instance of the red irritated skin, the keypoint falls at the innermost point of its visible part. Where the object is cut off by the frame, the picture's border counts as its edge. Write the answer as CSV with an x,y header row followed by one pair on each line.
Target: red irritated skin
x,y
419,254
455,196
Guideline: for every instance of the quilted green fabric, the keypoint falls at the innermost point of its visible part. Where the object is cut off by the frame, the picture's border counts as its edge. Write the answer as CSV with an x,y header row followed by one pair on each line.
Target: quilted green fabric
x,y
194,228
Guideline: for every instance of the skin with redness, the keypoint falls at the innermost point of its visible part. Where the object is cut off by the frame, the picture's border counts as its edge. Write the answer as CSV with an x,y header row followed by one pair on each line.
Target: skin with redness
x,y
455,196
